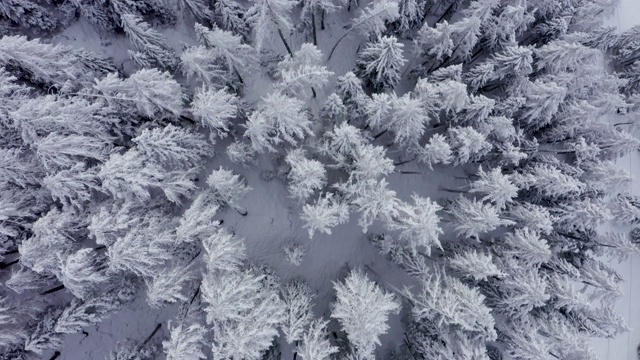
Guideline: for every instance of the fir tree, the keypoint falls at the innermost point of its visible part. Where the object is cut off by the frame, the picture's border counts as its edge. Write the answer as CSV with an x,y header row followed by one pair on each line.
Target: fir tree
x,y
381,63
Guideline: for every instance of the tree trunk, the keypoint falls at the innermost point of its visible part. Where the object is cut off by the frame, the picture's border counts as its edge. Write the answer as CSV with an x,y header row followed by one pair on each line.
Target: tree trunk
x,y
15,251
322,19
380,134
451,190
240,211
6,265
55,355
313,29
405,161
235,70
52,290
146,341
284,41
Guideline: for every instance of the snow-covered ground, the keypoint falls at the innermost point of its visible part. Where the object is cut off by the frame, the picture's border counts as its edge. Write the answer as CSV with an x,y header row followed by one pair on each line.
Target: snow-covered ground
x,y
624,346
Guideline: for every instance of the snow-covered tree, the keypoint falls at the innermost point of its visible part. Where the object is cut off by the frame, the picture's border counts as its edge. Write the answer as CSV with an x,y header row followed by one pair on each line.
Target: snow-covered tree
x,y
363,309
303,71
199,63
45,64
229,188
29,14
223,251
436,151
133,176
298,298
59,152
83,272
244,314
265,16
374,200
92,310
279,118
44,337
534,217
475,265
528,247
381,63
231,16
371,21
173,146
186,342
197,222
198,8
418,224
19,168
314,11
324,214
582,214
467,145
140,252
215,109
152,47
228,49
472,218
497,187
240,152
147,92
625,209
315,344
75,186
168,285
306,175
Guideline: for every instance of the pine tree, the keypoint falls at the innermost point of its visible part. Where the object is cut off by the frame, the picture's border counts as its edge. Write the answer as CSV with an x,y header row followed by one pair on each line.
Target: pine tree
x,y
265,16
306,176
83,272
198,8
324,214
140,252
527,246
472,218
199,63
231,16
147,92
168,285
215,109
28,14
172,146
151,45
496,187
244,314
363,309
198,222
223,251
475,265
418,224
228,49
278,118
228,188
132,176
75,186
79,314
314,344
186,342
436,151
381,63
298,300
302,71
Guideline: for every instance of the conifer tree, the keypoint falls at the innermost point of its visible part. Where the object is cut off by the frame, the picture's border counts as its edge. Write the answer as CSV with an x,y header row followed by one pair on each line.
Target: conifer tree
x,y
305,176
381,63
151,45
228,188
266,16
363,308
